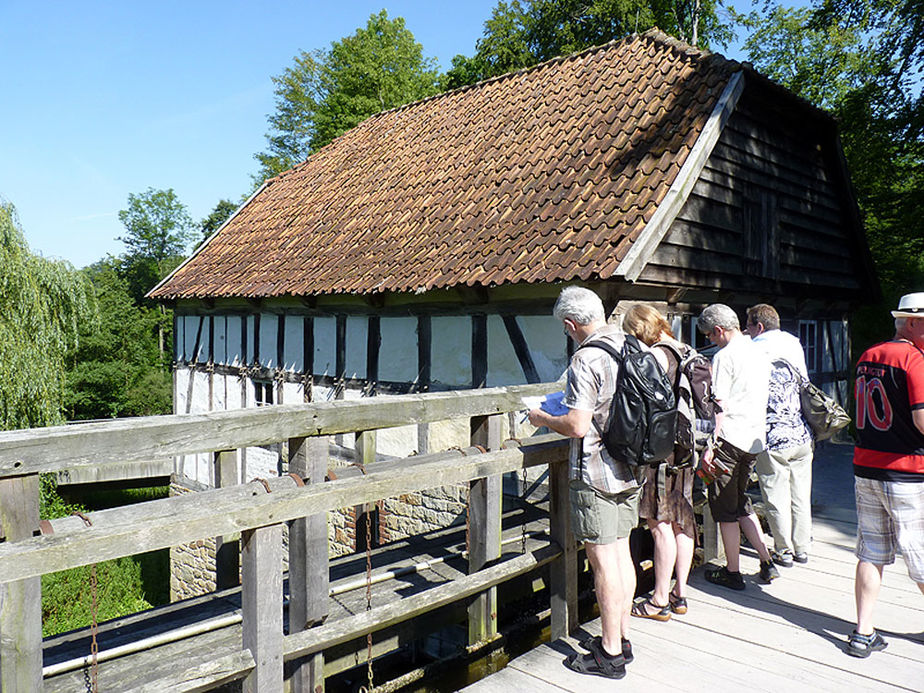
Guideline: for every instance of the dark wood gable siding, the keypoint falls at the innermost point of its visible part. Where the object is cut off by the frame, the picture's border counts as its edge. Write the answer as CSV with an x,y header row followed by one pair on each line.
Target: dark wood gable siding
x,y
769,212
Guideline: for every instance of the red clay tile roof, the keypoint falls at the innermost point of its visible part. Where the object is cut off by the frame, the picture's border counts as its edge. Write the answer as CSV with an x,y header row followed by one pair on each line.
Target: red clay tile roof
x,y
542,175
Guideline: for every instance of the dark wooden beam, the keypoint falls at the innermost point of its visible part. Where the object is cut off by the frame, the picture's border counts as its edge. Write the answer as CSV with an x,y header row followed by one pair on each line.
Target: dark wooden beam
x,y
479,350
424,353
340,366
473,295
281,341
521,348
373,342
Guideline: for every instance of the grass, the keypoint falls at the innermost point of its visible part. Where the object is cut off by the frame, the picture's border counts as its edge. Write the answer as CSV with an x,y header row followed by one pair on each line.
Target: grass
x,y
124,585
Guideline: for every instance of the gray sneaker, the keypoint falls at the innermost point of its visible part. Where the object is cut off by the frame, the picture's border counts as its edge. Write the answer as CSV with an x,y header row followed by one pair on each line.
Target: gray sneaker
x,y
864,645
800,557
768,571
783,558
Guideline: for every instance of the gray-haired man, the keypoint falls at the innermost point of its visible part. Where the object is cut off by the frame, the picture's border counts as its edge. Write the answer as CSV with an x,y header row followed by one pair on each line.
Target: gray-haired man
x,y
604,493
740,377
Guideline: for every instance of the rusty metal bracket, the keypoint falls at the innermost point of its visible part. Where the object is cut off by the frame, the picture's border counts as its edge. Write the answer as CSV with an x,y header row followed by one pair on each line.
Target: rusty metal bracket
x,y
86,520
298,480
264,482
361,466
45,527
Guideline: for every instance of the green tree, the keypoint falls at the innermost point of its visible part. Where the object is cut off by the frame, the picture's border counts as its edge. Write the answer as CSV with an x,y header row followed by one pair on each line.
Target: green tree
x,y
861,59
158,233
522,34
327,92
118,369
42,305
218,216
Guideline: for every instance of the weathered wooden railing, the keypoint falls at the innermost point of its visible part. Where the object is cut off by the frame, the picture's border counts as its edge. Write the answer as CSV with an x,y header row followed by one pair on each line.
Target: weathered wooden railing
x,y
258,511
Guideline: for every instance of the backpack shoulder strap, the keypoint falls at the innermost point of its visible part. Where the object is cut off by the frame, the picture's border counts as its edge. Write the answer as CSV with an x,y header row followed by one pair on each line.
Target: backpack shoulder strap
x,y
606,346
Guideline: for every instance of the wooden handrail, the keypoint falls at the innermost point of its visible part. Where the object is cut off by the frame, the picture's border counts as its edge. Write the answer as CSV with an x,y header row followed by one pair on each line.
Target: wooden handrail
x,y
151,437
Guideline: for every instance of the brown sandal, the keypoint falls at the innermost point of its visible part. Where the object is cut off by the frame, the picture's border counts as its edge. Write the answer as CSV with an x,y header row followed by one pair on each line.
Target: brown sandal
x,y
678,604
661,613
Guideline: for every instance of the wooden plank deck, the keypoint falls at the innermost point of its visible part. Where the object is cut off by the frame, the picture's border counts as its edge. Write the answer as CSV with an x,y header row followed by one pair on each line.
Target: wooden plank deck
x,y
789,635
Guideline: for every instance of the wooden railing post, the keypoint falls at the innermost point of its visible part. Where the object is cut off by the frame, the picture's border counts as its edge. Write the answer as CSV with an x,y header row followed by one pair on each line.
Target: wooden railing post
x,y
564,569
484,518
309,573
20,601
227,548
261,606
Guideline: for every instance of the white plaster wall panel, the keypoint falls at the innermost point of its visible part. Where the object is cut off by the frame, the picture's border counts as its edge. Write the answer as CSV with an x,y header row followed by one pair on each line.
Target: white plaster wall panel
x,y
267,339
190,329
547,346
249,326
179,339
357,337
233,324
293,393
325,345
294,348
398,352
451,350
448,434
263,463
319,393
220,335
219,392
397,442
503,366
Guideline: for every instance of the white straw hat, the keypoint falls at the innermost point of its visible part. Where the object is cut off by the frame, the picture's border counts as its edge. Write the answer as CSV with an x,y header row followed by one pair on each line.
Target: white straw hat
x,y
910,306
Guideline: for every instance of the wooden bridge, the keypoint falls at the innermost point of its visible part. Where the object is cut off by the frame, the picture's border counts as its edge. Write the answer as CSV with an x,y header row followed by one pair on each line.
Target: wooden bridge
x,y
790,635
253,633
273,634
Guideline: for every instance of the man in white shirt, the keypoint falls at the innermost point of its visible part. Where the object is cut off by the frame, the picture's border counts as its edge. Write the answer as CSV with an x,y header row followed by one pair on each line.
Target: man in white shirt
x,y
740,377
785,467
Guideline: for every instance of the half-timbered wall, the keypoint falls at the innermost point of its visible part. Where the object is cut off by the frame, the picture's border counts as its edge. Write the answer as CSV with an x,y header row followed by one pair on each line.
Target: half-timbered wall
x,y
228,360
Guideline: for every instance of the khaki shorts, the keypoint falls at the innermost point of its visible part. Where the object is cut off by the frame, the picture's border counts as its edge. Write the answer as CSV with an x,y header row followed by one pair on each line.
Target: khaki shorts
x,y
890,517
602,518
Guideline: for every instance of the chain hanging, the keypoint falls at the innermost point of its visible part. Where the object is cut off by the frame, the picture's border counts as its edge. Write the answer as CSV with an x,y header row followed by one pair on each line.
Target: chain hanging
x,y
525,513
371,685
94,630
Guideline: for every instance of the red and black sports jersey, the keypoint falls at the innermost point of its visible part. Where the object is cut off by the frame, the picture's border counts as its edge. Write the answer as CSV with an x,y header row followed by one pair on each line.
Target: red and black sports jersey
x,y
890,385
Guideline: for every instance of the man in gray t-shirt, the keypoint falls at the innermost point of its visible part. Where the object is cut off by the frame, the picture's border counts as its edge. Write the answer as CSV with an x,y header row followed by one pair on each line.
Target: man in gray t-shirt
x,y
603,491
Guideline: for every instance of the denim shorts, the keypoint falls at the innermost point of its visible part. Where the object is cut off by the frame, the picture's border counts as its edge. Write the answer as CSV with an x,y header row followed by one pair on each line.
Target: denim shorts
x,y
602,518
890,517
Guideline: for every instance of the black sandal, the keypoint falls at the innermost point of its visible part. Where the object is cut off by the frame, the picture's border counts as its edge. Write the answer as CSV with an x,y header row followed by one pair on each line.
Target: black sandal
x,y
661,613
678,604
597,663
597,641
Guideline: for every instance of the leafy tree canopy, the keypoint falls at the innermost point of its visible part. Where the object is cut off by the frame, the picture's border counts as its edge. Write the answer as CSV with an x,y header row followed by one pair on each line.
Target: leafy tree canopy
x,y
218,216
42,305
522,34
327,92
118,369
158,233
862,59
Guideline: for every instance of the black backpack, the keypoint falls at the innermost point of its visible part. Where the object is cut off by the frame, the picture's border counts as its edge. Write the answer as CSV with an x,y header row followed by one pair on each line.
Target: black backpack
x,y
642,422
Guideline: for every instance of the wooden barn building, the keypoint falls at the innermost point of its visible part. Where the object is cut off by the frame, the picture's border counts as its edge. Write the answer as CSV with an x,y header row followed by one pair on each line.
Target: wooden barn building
x,y
424,248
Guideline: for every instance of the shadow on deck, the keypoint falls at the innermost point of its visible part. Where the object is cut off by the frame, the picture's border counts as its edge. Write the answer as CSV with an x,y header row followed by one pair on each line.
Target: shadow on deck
x,y
789,635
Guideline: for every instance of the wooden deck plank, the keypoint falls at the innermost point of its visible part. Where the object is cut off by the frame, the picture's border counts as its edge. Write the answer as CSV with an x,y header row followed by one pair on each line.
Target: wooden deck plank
x,y
788,635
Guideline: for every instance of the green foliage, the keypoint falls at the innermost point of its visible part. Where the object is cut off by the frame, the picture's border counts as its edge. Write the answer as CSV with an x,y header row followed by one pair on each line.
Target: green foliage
x,y
219,215
159,230
119,369
325,93
862,59
43,303
522,34
125,585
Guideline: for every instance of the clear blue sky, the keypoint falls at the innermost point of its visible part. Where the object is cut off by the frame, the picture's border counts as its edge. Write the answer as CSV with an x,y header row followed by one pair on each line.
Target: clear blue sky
x,y
103,99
